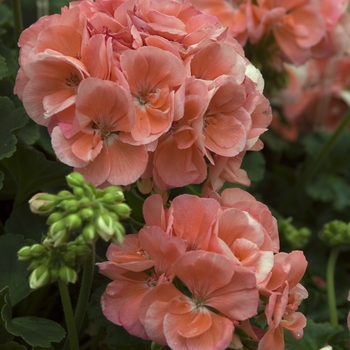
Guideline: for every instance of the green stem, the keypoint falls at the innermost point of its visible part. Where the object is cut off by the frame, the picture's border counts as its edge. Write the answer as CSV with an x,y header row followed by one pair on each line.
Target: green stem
x,y
17,16
68,313
84,292
332,303
311,169
85,289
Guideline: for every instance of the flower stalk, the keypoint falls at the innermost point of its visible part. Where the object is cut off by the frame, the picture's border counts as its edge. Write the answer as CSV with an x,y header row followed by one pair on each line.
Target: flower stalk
x,y
17,16
68,313
332,303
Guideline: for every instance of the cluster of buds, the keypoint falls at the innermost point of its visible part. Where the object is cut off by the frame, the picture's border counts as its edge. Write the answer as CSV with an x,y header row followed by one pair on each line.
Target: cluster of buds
x,y
86,213
87,210
296,238
335,233
49,265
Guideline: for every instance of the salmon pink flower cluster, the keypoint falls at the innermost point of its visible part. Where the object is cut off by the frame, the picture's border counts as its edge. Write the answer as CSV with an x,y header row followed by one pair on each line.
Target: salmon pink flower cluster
x,y
299,29
317,96
201,268
147,90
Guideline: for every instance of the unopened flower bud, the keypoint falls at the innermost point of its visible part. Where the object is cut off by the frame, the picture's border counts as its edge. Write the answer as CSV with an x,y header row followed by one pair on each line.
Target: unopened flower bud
x,y
24,254
42,203
78,192
37,250
105,227
71,206
108,198
73,222
89,234
39,277
119,233
123,210
82,251
69,257
53,217
67,274
64,194
75,180
54,274
86,213
118,194
58,233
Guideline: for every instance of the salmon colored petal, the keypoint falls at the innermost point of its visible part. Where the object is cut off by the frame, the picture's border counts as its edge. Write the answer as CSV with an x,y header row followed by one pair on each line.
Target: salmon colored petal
x,y
128,162
194,219
164,250
153,212
272,340
63,148
199,324
217,337
97,171
87,147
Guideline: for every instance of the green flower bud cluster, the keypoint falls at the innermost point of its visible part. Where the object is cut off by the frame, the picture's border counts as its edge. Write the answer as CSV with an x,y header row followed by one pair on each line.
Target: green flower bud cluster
x,y
87,213
296,238
87,210
49,265
335,233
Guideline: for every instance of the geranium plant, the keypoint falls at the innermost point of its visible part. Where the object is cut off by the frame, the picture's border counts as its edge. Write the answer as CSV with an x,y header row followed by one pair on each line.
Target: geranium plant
x,y
139,199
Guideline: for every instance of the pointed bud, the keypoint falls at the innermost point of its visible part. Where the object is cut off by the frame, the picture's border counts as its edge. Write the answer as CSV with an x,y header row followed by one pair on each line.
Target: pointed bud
x,y
105,227
119,233
69,257
24,254
71,206
118,194
89,234
78,192
108,198
58,233
37,250
86,213
64,194
82,251
73,222
55,217
75,180
67,274
42,203
123,210
39,277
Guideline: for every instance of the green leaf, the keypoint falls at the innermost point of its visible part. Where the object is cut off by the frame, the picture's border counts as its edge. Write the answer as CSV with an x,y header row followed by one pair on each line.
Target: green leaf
x,y
316,336
35,331
330,188
11,60
33,172
254,164
11,345
118,337
23,221
94,308
14,273
11,119
3,68
30,133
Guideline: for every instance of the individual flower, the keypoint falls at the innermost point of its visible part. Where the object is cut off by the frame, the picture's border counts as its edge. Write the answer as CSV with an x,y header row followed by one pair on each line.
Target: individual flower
x,y
189,322
285,295
153,76
97,151
136,267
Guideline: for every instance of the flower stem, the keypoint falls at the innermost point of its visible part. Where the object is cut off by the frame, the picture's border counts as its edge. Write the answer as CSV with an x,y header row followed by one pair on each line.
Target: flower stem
x,y
313,166
17,16
85,289
332,304
84,293
68,313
